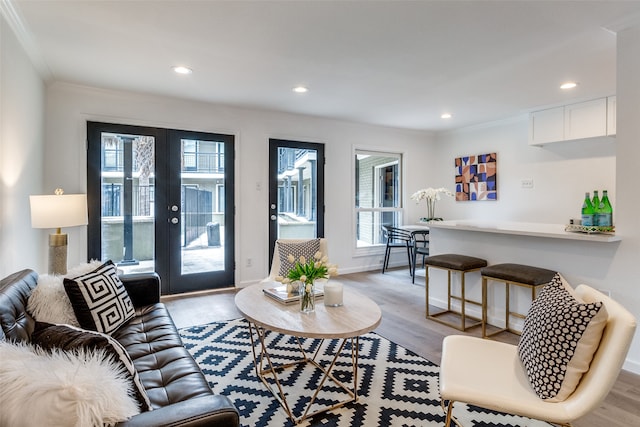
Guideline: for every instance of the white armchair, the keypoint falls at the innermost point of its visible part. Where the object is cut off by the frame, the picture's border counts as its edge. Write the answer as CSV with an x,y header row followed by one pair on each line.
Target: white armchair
x,y
489,374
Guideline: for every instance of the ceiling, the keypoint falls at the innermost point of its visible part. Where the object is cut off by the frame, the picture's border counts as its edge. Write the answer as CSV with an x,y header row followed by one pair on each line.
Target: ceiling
x,y
392,63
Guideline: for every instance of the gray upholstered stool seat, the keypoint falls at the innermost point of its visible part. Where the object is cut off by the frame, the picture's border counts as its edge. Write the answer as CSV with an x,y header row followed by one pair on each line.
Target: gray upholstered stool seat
x,y
456,262
453,263
511,274
519,273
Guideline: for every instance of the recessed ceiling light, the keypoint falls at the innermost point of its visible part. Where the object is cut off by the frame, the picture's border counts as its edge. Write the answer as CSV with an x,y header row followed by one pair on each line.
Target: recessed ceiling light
x,y
568,85
182,70
300,89
445,116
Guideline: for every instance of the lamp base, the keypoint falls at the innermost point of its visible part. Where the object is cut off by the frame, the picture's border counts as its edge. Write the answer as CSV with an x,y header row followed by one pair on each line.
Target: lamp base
x,y
58,253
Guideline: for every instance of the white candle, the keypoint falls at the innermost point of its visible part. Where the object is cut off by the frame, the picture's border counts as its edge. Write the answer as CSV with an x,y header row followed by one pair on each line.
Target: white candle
x,y
333,293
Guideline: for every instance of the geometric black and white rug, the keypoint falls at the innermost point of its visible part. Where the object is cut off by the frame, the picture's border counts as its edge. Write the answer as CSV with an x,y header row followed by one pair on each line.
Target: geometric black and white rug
x,y
396,387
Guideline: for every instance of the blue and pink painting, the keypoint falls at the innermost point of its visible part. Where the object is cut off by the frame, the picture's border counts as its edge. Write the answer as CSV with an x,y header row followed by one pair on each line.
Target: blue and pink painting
x,y
476,177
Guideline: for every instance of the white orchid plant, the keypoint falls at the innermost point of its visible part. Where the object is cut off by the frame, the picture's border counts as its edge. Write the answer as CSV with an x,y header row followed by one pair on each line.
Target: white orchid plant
x,y
430,195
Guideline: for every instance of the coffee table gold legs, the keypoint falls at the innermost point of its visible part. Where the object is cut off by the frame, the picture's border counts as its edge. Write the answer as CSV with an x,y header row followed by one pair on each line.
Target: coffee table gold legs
x,y
266,369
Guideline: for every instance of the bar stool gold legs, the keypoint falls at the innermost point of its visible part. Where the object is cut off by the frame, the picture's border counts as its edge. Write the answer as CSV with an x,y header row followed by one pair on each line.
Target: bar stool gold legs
x,y
454,263
511,274
508,313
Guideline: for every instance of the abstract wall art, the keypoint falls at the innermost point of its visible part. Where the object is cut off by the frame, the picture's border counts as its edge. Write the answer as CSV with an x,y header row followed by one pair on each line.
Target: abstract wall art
x,y
476,177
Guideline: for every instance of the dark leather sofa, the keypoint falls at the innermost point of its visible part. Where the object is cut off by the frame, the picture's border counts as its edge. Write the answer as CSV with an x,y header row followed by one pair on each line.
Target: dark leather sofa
x,y
177,388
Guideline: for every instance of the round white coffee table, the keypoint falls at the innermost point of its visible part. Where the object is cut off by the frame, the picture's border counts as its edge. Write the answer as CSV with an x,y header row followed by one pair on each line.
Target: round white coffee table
x,y
347,323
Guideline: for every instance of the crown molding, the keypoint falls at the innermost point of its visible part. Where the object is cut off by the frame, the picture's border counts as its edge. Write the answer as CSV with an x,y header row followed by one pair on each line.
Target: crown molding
x,y
629,21
25,38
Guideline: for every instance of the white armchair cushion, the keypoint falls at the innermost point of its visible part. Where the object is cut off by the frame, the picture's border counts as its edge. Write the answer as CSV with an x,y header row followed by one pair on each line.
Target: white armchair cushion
x,y
560,336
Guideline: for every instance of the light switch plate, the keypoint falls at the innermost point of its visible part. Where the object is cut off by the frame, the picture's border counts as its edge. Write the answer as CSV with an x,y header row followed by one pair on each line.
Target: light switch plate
x,y
527,183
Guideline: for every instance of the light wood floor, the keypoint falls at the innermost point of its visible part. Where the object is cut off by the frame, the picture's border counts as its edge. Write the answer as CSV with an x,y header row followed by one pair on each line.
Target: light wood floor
x,y
403,322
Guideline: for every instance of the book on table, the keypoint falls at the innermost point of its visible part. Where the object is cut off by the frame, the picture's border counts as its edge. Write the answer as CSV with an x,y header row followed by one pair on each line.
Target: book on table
x,y
280,293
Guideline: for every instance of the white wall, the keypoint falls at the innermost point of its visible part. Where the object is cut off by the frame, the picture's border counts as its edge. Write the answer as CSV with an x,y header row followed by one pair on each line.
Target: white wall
x,y
21,156
623,273
70,106
561,173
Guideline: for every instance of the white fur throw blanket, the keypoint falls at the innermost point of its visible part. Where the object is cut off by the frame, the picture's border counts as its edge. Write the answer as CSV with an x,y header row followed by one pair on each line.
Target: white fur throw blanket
x,y
49,301
63,389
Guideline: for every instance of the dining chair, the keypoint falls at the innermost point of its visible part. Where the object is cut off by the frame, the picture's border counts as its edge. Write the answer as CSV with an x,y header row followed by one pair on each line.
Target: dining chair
x,y
397,238
420,247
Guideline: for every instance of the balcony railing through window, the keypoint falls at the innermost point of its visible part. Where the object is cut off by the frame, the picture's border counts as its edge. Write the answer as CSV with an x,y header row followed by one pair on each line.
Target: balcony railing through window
x,y
203,162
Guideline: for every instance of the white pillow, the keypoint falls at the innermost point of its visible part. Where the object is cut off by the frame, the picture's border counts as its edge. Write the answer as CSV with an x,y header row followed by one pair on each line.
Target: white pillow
x,y
74,389
49,302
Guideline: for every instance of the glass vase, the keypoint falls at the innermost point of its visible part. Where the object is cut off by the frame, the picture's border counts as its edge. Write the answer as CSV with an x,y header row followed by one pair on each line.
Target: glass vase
x,y
431,209
307,298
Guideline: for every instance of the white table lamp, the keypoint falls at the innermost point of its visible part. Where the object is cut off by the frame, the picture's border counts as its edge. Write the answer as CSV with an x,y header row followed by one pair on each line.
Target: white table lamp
x,y
57,211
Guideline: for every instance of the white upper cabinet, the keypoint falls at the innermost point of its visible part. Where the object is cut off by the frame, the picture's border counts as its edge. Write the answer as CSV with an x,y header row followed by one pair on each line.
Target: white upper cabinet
x,y
586,119
576,121
546,126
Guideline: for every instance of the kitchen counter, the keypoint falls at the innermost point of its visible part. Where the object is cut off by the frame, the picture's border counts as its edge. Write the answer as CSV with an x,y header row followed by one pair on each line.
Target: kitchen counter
x,y
553,231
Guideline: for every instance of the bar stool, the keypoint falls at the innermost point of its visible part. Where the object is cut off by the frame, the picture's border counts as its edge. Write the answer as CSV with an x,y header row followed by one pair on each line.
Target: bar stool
x,y
511,274
462,264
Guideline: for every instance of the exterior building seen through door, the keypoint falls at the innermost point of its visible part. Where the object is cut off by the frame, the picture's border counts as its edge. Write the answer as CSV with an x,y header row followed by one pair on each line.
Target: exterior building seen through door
x,y
160,203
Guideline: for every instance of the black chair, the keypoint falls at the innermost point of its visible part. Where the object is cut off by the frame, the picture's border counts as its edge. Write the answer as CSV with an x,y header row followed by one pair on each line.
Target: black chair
x,y
396,238
420,247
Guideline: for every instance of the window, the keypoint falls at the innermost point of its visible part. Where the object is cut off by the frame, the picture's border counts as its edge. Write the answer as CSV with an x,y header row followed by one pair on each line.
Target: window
x,y
203,156
378,200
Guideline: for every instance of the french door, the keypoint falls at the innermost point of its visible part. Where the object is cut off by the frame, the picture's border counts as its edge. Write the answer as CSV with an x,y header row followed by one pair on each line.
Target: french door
x,y
162,200
296,191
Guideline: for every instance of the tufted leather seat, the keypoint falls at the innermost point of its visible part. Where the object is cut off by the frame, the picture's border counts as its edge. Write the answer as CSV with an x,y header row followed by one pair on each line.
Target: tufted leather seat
x,y
17,324
178,390
166,369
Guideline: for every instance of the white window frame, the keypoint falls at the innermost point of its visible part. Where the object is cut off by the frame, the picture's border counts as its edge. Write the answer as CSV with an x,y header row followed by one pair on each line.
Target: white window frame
x,y
375,248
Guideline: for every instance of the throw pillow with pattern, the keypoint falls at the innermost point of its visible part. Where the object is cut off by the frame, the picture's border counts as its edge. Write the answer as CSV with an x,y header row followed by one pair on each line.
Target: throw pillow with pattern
x,y
306,248
99,299
560,336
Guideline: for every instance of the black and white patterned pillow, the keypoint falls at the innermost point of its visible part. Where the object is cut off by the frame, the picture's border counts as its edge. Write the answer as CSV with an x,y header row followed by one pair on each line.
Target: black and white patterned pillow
x,y
99,299
307,248
70,338
559,338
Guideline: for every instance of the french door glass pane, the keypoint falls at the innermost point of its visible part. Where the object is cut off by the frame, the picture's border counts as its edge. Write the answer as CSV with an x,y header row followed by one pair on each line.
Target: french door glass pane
x,y
202,200
297,186
127,201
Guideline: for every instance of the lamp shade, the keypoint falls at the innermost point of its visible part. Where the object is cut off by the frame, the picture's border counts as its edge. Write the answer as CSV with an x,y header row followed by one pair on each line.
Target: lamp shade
x,y
57,211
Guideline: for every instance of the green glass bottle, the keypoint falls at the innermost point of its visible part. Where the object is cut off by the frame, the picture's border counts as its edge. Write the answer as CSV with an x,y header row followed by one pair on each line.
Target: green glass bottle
x,y
588,212
595,202
605,211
